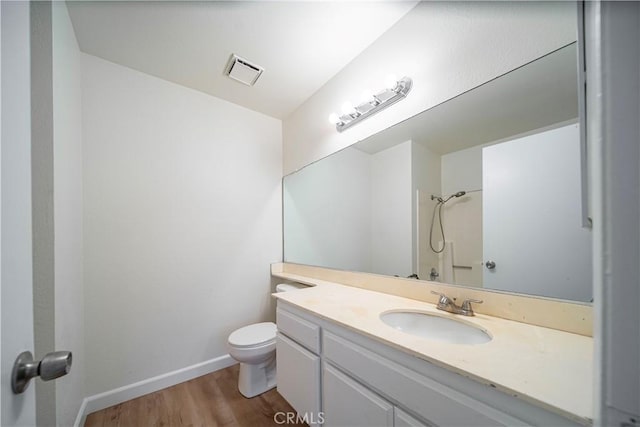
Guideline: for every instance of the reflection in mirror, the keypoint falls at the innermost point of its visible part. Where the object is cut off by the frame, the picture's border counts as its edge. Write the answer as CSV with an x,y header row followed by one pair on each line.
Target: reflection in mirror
x,y
483,190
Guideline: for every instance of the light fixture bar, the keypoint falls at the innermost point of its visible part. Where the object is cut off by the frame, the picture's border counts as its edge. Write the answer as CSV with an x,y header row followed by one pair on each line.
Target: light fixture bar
x,y
379,102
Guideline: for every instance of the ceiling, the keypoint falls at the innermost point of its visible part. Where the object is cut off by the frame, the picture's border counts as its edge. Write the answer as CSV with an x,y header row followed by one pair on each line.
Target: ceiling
x,y
301,44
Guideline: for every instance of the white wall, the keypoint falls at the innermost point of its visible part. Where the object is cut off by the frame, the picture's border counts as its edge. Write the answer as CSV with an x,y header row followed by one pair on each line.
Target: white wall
x,y
391,211
182,216
327,212
67,170
446,47
462,170
426,178
356,211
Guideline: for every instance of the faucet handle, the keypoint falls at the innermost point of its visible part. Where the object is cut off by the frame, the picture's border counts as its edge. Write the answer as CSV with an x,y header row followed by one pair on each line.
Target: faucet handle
x,y
443,298
466,305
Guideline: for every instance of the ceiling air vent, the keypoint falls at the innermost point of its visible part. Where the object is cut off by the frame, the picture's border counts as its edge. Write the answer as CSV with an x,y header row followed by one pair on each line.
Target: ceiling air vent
x,y
242,70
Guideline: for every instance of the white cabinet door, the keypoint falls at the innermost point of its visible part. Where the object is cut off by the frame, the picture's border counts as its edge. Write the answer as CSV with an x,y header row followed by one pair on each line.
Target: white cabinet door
x,y
402,419
298,377
347,403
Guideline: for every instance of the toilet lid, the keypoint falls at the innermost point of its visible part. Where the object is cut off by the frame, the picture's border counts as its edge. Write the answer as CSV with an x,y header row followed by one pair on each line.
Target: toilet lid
x,y
253,335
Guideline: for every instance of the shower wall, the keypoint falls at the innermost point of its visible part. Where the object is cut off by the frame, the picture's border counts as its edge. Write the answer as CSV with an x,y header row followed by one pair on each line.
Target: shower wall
x,y
461,261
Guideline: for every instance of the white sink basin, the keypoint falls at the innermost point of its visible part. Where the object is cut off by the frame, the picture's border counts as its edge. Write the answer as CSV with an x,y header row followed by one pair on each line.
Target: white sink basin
x,y
435,327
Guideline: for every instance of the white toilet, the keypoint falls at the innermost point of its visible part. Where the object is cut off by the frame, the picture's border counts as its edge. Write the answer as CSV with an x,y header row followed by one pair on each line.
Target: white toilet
x,y
254,346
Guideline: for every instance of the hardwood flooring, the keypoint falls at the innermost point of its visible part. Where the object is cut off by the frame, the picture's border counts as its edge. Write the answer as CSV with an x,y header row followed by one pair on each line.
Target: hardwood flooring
x,y
210,400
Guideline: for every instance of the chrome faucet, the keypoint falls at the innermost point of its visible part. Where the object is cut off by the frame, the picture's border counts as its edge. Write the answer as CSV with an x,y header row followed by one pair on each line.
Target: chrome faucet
x,y
447,304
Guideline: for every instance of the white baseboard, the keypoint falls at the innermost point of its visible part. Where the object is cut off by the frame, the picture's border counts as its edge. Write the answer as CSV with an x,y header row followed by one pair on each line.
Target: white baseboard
x,y
122,394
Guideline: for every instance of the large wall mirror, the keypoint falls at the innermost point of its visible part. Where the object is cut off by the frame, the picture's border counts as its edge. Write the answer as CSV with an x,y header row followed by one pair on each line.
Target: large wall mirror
x,y
483,190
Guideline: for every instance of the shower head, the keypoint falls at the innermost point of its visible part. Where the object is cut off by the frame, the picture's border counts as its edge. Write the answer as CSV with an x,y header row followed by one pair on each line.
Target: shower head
x,y
443,201
458,194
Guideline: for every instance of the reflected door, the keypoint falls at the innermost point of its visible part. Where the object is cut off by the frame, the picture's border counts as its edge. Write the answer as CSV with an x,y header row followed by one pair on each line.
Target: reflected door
x,y
532,220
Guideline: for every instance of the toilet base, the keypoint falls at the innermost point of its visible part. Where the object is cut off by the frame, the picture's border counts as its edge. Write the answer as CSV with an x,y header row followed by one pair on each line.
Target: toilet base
x,y
257,378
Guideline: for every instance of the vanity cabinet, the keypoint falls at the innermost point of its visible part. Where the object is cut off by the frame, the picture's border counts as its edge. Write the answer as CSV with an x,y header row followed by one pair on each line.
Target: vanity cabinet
x,y
299,377
352,379
432,400
348,403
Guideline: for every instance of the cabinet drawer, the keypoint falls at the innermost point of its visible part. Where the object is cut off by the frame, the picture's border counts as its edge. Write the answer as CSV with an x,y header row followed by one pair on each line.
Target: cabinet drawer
x,y
298,377
427,398
347,403
298,329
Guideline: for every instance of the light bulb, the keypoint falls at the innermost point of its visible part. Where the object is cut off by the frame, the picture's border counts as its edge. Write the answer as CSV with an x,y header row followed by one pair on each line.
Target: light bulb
x,y
347,108
391,81
334,119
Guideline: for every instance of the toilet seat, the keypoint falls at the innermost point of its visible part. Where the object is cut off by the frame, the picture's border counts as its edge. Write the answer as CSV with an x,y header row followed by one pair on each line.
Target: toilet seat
x,y
256,335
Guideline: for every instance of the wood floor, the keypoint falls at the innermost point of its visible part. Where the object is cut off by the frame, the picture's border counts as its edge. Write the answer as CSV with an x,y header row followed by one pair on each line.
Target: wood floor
x,y
210,400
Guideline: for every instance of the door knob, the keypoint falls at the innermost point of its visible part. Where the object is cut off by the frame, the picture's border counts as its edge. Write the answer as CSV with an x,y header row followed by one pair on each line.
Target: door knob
x,y
52,366
490,265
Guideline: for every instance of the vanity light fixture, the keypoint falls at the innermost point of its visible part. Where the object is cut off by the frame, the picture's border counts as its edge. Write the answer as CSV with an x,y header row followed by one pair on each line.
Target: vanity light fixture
x,y
370,103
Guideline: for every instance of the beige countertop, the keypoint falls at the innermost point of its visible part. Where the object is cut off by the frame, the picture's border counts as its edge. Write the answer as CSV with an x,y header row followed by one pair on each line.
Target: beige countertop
x,y
549,368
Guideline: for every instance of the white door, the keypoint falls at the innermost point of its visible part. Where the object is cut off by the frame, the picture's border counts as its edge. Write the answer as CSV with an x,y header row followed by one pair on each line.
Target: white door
x,y
532,221
15,218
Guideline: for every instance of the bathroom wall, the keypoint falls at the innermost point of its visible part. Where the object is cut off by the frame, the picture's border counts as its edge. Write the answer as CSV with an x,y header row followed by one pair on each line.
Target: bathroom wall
x,y
425,168
67,178
462,170
462,217
391,212
446,47
353,211
327,212
182,217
